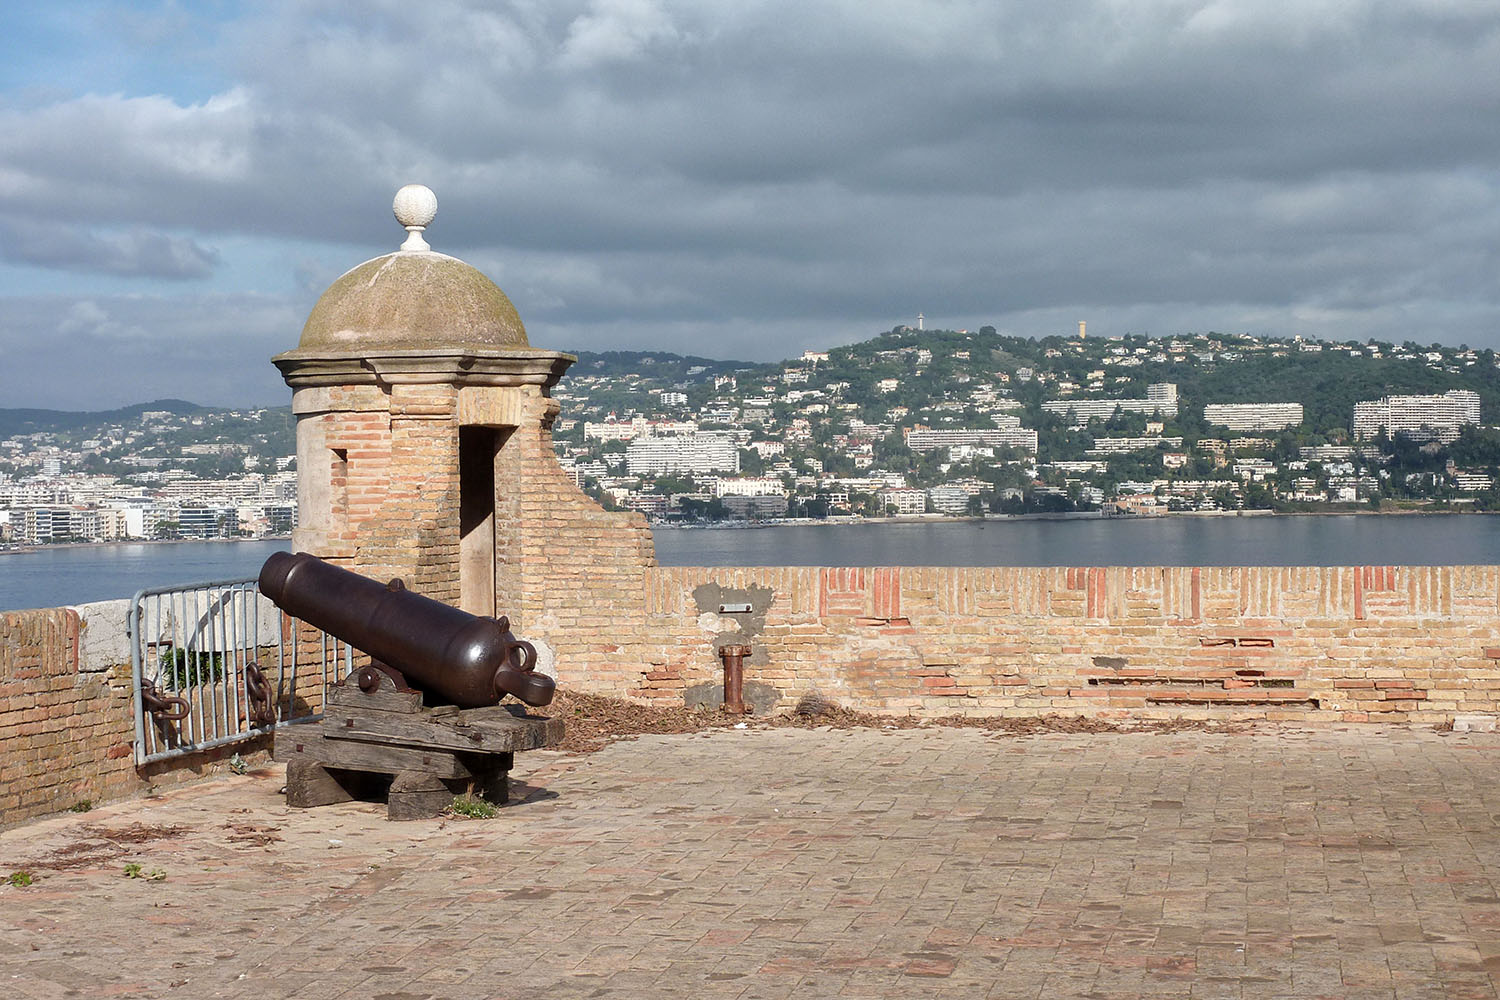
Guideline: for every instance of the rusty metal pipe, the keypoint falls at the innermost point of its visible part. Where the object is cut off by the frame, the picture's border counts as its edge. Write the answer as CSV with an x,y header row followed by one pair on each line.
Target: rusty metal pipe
x,y
470,661
734,677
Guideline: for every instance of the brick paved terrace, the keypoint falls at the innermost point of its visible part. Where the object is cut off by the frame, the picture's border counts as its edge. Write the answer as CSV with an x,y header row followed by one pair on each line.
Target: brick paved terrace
x,y
1352,863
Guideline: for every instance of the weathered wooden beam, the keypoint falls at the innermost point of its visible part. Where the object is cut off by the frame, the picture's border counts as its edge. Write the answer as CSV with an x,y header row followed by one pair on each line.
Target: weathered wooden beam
x,y
309,743
350,696
472,731
415,795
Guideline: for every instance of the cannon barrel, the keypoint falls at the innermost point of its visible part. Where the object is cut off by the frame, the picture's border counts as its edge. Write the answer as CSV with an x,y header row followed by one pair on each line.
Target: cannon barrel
x,y
463,658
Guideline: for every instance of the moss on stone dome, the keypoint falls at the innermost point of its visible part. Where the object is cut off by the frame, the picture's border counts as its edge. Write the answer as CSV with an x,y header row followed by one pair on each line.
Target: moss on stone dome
x,y
413,300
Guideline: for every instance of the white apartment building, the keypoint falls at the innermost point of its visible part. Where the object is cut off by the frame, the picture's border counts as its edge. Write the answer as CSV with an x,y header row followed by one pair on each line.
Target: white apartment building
x,y
1472,482
765,449
1438,417
904,500
949,499
1253,416
613,430
750,486
1254,468
1326,452
692,453
1110,446
208,490
629,430
1161,397
1011,436
969,452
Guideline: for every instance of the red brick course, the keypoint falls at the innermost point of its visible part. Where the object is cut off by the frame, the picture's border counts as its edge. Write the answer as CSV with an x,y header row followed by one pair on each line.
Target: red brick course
x,y
1151,642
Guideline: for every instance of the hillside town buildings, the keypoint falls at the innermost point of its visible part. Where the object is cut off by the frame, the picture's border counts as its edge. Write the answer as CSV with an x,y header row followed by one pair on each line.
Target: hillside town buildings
x,y
941,423
148,484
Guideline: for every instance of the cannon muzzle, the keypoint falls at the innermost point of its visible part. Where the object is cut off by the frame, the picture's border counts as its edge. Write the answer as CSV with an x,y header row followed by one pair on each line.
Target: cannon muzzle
x,y
465,659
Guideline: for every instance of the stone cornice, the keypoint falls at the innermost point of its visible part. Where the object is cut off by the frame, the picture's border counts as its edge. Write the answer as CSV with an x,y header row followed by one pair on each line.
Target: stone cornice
x,y
461,367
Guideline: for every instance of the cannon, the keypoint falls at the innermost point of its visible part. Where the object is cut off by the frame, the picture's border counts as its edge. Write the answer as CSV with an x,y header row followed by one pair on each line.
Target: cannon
x,y
462,659
377,737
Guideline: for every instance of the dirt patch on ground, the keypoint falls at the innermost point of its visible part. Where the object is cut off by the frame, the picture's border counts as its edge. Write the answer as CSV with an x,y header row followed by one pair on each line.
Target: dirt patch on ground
x,y
595,720
95,845
250,835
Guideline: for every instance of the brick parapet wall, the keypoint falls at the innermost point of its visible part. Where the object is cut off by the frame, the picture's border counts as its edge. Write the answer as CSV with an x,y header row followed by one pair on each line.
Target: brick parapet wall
x,y
66,728
1416,644
1412,644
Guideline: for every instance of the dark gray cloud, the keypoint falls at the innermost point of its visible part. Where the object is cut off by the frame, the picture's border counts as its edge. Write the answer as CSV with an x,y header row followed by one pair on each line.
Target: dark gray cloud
x,y
101,352
767,176
134,253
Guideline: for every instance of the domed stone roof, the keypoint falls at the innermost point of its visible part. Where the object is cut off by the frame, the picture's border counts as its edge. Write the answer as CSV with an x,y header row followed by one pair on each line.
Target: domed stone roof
x,y
413,299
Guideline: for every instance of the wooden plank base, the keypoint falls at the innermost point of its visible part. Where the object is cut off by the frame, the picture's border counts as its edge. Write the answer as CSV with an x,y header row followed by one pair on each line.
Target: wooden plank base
x,y
309,784
387,758
415,795
383,744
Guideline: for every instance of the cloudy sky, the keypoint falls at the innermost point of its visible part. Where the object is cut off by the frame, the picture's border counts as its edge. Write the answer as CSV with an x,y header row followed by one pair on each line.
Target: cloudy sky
x,y
738,178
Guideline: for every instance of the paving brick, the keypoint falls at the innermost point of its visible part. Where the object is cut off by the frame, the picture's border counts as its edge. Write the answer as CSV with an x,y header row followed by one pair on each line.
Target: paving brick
x,y
1271,862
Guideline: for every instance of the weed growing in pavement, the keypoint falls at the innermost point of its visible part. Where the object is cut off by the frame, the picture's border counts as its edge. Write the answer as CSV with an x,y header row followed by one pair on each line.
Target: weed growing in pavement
x,y
81,806
19,879
469,806
237,764
134,870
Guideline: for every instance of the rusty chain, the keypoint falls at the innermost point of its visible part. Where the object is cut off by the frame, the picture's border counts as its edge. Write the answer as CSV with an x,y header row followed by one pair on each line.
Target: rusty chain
x,y
262,707
158,704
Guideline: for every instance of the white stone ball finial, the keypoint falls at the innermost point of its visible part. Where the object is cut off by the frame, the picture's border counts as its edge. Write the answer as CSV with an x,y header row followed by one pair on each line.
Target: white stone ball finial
x,y
415,206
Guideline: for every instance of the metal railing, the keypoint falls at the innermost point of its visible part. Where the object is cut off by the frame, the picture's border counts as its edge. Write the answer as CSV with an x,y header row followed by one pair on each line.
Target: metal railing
x,y
216,663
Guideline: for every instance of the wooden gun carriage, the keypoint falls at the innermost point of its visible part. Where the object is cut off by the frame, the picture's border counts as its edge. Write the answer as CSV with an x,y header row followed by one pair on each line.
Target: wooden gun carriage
x,y
378,734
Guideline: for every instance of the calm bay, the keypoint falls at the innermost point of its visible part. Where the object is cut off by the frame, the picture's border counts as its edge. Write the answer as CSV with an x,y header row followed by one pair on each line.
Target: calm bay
x,y
51,577
1265,540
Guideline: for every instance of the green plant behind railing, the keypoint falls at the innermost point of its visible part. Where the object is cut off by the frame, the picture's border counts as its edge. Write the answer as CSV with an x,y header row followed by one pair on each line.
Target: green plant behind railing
x,y
185,668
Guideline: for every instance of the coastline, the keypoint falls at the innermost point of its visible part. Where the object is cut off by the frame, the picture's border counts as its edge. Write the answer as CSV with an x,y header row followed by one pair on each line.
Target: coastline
x,y
9,549
1079,515
68,575
737,525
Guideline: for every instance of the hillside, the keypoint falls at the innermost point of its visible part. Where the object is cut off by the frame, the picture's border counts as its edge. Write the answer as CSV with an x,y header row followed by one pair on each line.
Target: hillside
x,y
31,421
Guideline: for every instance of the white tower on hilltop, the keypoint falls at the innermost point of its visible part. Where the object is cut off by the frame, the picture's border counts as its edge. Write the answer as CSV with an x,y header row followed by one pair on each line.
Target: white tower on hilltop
x,y
919,320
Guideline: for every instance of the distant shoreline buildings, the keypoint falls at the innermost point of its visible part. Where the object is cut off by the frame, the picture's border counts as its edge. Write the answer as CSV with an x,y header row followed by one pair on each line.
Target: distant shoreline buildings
x,y
153,489
931,422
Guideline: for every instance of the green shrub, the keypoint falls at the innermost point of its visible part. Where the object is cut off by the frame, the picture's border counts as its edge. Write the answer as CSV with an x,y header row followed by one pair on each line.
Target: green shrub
x,y
185,668
468,805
